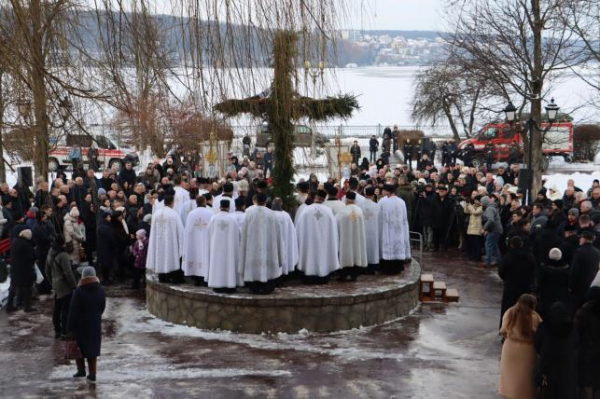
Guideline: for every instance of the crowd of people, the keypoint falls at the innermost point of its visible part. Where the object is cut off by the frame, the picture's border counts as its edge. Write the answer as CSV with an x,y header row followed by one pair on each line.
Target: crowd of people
x,y
227,232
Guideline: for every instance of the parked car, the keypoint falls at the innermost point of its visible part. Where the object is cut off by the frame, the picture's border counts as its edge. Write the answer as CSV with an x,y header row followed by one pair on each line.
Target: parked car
x,y
302,136
109,154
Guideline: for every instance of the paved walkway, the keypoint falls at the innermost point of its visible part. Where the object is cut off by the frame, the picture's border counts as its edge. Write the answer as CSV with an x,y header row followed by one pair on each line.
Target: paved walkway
x,y
440,350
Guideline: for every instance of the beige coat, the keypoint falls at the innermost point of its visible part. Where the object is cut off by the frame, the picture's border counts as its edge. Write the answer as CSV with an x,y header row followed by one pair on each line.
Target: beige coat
x,y
475,220
72,232
518,361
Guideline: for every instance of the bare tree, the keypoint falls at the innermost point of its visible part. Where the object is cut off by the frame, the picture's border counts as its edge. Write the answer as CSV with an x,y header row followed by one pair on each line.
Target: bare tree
x,y
449,91
521,45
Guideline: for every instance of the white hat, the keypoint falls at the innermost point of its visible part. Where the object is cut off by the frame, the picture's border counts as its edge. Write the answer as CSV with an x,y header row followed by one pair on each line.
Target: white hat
x,y
555,254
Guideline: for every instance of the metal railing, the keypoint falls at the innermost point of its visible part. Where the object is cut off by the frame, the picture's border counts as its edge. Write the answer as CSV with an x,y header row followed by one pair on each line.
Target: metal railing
x,y
416,243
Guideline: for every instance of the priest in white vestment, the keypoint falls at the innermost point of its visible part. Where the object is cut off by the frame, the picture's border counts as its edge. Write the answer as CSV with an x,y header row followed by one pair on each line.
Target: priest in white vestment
x,y
317,241
299,211
196,242
353,244
165,247
332,202
290,240
224,233
353,184
240,215
371,212
394,235
261,247
227,195
186,209
181,195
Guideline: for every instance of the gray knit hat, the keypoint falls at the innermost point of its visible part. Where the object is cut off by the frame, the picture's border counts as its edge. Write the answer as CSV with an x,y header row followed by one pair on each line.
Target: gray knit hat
x,y
574,212
88,271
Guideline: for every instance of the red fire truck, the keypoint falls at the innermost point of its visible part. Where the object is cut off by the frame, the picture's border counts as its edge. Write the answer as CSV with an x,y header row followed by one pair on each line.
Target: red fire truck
x,y
558,141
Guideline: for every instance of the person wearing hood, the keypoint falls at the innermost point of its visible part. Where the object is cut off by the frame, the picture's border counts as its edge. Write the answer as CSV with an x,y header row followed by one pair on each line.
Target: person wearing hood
x,y
85,321
105,244
587,324
22,272
517,272
542,199
60,274
492,230
72,233
556,343
553,282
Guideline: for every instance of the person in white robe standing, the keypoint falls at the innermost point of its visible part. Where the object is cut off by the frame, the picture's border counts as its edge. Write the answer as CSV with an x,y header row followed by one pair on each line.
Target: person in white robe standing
x,y
394,234
166,243
224,233
240,215
196,242
227,195
317,242
354,188
332,202
371,212
181,195
290,240
187,208
353,243
261,247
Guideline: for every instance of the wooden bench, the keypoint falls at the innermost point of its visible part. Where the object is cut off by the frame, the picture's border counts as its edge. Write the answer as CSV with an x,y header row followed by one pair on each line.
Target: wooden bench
x,y
441,287
426,292
451,295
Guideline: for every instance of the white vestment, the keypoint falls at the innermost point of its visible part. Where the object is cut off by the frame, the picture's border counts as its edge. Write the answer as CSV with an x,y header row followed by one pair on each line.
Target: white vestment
x,y
240,217
358,201
317,241
290,240
196,243
224,252
394,236
351,233
371,215
186,209
261,246
334,205
301,208
157,206
217,202
181,197
166,241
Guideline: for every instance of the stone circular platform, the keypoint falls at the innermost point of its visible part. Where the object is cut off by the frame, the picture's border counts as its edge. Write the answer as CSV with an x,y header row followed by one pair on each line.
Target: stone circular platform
x,y
337,306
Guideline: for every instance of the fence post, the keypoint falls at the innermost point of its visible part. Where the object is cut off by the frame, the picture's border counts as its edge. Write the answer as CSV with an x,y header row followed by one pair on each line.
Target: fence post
x,y
378,129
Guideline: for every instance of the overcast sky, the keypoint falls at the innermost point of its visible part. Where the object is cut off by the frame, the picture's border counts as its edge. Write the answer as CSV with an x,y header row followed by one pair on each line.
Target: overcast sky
x,y
365,14
397,14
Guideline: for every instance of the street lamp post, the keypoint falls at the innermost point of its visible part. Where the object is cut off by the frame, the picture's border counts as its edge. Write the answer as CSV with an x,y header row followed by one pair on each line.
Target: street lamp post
x,y
532,127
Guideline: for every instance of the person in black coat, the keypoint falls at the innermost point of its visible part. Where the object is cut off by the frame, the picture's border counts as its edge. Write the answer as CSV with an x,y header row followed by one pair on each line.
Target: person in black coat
x,y
544,241
587,324
517,271
373,148
122,241
553,282
42,236
355,152
85,321
583,269
89,217
105,245
443,212
556,343
22,272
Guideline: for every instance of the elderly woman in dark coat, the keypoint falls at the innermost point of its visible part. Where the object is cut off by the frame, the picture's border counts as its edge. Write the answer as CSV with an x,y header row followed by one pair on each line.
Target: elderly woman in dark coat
x,y
587,323
556,344
553,282
85,321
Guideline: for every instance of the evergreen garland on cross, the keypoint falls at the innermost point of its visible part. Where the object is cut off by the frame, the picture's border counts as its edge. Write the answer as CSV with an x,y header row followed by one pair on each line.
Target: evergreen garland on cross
x,y
281,106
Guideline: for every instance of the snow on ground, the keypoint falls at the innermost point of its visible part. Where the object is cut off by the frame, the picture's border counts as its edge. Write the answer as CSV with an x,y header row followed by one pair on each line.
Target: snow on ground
x,y
4,292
